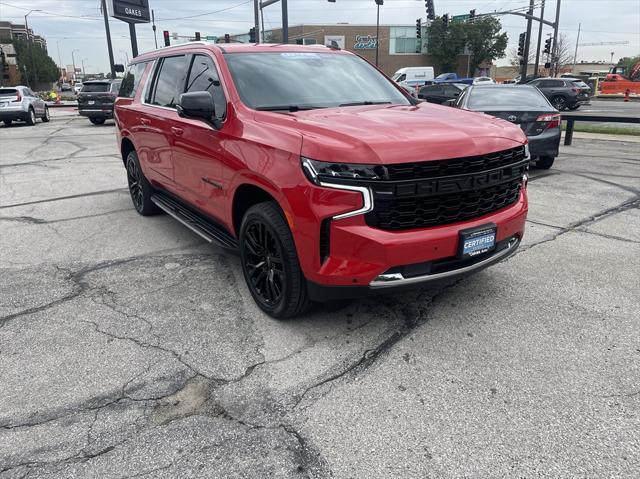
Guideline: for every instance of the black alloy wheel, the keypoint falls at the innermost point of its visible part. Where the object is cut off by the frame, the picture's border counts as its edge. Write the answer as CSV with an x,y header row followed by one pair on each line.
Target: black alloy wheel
x,y
270,262
135,184
559,103
264,262
139,188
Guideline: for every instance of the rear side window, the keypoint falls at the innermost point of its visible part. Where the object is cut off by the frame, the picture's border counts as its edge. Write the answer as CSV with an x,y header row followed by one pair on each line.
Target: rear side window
x,y
580,84
8,92
204,77
131,80
169,82
95,87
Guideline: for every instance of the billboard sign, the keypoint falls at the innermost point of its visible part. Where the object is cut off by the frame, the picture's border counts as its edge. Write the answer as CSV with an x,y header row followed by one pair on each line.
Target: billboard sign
x,y
130,11
365,42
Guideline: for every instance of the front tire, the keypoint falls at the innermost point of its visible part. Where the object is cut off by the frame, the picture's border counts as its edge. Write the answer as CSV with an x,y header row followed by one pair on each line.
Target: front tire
x,y
139,188
270,262
545,162
7,122
574,107
96,120
31,117
46,117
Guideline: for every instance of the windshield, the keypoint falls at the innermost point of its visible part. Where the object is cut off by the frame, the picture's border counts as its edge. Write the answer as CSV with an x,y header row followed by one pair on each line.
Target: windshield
x,y
95,87
299,80
498,98
443,76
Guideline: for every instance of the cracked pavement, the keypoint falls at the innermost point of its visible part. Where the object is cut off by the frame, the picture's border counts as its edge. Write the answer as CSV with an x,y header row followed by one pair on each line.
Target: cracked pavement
x,y
131,348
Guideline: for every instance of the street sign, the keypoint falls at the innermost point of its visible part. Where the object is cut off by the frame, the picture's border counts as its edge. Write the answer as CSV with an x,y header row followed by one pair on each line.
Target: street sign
x,y
130,11
460,18
212,38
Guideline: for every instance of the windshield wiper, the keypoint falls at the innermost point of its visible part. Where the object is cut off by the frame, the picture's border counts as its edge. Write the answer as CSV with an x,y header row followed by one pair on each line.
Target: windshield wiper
x,y
291,108
366,102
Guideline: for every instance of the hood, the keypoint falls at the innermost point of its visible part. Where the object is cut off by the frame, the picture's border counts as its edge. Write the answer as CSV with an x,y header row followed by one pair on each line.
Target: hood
x,y
388,134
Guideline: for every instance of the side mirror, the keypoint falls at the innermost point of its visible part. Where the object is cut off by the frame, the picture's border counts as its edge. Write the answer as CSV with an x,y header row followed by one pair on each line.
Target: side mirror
x,y
451,102
118,68
456,94
198,104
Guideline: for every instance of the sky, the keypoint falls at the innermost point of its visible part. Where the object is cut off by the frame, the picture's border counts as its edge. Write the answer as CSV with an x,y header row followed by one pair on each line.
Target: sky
x,y
77,26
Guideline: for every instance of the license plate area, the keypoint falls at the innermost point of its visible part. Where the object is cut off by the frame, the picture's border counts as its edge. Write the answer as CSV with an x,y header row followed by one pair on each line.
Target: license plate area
x,y
91,102
477,241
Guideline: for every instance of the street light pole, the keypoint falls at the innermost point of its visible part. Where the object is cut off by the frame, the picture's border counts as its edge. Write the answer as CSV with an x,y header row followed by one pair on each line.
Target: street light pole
x,y
378,3
108,31
537,64
84,73
73,60
554,57
26,28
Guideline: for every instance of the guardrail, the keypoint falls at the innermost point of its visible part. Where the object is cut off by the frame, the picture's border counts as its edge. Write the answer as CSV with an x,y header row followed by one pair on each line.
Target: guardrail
x,y
571,118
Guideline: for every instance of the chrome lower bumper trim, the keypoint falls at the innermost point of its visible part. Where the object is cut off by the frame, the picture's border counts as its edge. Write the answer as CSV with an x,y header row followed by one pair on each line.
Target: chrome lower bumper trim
x,y
396,279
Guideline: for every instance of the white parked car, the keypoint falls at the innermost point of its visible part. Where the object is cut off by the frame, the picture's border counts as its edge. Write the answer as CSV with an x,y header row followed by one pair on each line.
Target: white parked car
x,y
77,88
414,76
483,80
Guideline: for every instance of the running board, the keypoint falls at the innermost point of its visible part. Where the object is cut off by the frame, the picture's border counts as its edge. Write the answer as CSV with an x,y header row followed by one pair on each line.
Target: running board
x,y
195,222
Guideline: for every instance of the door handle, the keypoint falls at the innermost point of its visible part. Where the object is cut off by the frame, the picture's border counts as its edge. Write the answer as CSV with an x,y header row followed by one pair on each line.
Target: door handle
x,y
144,121
177,131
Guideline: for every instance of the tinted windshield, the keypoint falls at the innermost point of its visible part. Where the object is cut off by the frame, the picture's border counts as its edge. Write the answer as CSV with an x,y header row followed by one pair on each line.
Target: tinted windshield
x,y
95,87
8,92
308,80
495,98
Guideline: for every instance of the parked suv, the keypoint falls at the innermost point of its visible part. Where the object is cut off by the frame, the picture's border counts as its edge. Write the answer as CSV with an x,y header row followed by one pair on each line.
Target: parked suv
x,y
21,103
327,189
96,99
563,93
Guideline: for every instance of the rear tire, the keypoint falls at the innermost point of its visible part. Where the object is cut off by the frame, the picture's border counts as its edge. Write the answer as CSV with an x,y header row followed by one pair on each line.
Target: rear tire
x,y
46,117
96,120
574,107
7,122
139,188
545,162
270,262
559,103
31,117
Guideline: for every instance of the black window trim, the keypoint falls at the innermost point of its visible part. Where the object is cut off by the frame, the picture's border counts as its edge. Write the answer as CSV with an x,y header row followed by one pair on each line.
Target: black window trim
x,y
150,89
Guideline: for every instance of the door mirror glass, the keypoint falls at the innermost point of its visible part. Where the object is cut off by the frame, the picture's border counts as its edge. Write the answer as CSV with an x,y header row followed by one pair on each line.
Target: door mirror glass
x,y
197,104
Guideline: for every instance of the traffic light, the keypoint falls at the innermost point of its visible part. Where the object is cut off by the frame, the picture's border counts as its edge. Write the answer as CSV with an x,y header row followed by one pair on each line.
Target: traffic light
x,y
547,45
521,40
379,2
445,20
472,15
227,38
431,11
419,28
167,40
252,35
197,36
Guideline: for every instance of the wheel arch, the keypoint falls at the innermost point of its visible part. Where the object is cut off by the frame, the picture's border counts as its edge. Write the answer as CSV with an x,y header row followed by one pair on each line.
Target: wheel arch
x,y
244,197
126,147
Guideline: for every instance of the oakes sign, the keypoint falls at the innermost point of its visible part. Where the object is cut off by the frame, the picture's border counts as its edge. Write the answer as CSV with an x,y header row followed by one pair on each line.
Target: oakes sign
x,y
130,11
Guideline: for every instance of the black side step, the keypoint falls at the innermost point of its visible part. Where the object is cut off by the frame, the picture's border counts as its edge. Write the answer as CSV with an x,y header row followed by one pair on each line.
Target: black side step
x,y
195,222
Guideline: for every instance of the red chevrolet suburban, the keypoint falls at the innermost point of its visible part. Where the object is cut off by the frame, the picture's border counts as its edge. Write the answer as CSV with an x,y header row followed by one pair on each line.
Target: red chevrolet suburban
x,y
327,178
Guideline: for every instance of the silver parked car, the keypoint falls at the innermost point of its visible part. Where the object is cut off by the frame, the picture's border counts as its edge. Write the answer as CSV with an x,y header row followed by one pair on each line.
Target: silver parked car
x,y
20,103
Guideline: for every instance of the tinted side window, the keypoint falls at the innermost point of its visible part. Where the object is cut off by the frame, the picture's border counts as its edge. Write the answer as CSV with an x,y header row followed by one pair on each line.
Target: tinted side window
x,y
170,81
131,80
204,77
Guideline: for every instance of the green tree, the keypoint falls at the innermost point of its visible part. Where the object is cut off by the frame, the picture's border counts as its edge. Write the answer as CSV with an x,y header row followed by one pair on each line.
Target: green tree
x,y
34,61
482,36
628,63
485,41
445,44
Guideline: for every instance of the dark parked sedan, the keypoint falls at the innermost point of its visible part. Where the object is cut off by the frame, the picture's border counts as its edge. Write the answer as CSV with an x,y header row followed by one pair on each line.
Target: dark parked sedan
x,y
441,93
525,106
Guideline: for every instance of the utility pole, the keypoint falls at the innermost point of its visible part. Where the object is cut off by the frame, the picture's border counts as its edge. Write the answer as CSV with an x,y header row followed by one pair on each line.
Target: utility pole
x,y
109,47
378,3
73,60
256,19
134,39
153,26
29,42
285,22
537,64
554,56
575,55
525,56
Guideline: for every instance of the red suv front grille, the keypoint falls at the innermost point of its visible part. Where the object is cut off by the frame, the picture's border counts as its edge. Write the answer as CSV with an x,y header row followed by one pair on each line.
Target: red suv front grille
x,y
447,191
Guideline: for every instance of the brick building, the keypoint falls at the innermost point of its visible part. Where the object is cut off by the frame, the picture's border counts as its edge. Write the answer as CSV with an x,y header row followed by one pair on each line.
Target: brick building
x,y
13,31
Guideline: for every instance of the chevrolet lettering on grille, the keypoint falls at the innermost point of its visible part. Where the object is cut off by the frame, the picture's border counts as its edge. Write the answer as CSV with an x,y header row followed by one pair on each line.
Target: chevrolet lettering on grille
x,y
456,184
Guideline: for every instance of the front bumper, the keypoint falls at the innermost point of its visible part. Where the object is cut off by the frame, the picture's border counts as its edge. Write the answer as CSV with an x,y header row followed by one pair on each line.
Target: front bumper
x,y
546,143
365,260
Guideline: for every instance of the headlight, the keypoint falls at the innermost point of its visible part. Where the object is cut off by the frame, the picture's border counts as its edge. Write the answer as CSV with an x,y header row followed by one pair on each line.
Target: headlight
x,y
526,151
322,171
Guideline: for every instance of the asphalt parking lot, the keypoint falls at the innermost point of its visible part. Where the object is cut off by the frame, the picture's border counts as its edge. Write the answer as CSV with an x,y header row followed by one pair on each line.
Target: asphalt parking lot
x,y
130,348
